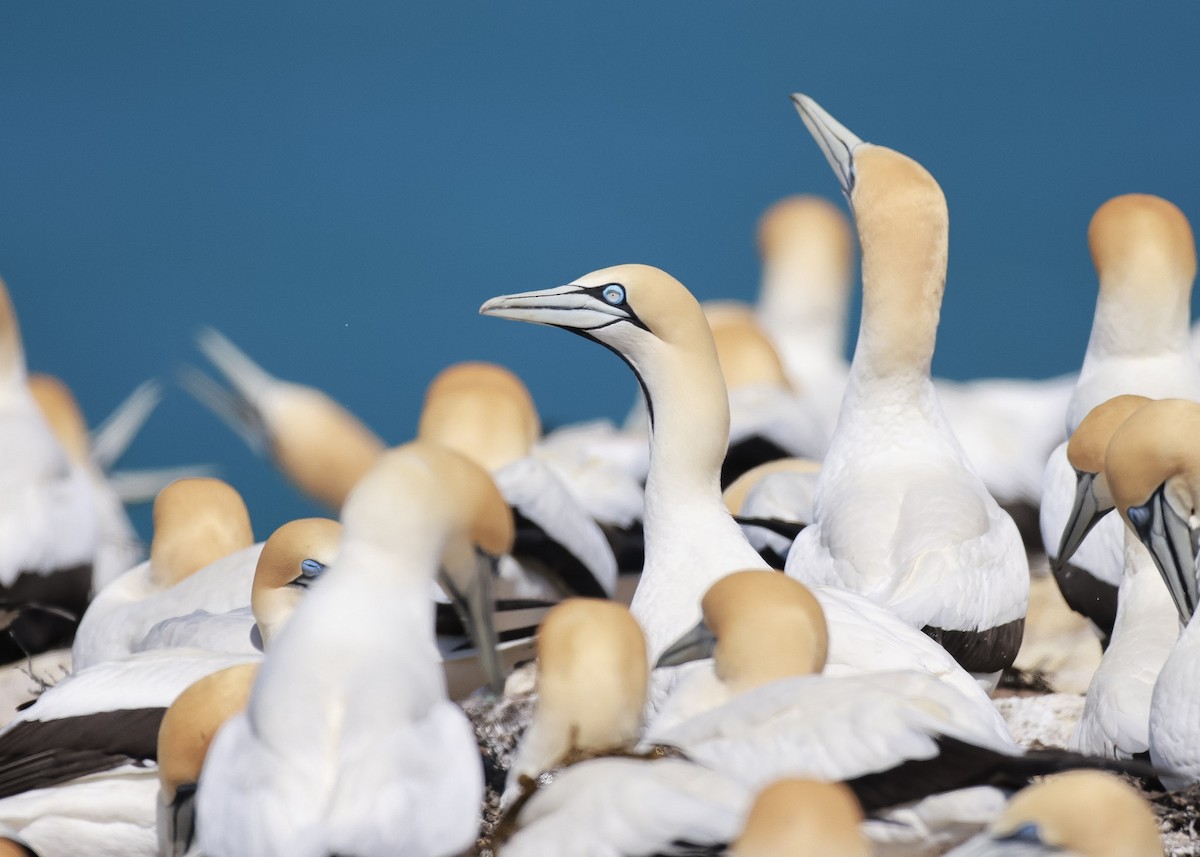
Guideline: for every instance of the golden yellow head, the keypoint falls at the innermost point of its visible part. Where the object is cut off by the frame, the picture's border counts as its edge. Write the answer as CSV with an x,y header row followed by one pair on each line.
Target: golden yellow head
x,y
592,675
1142,241
803,817
1156,445
196,522
1090,813
768,627
294,557
481,410
805,226
58,405
744,351
1089,441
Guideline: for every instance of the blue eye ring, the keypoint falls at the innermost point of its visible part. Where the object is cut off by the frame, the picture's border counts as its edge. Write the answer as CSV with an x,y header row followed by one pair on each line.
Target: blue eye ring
x,y
311,568
614,293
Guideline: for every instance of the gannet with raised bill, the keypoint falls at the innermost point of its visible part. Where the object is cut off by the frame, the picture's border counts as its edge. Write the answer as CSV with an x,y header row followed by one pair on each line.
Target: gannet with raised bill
x,y
1145,257
901,515
202,557
48,527
321,447
1153,471
578,758
349,744
655,325
486,413
186,732
1116,716
768,418
1075,814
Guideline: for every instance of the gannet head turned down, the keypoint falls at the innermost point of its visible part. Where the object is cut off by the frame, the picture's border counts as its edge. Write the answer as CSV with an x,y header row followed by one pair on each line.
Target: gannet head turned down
x,y
745,352
812,230
1153,469
184,736
196,522
1143,245
1085,453
759,627
1085,813
903,227
592,677
803,817
292,559
481,410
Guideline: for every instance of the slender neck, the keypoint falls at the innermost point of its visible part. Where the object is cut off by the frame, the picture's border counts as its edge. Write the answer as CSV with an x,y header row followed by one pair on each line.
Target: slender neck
x,y
803,304
1140,322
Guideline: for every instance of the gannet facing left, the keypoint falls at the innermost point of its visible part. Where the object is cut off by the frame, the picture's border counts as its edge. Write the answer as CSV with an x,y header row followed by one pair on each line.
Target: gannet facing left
x,y
349,744
901,515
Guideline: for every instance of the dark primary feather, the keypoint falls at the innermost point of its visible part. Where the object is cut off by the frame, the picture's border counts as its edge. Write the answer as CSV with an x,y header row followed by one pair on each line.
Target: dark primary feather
x,y
532,544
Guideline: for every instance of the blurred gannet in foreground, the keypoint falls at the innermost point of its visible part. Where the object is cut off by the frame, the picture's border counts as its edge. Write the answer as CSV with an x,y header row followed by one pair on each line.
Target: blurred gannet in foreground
x,y
1116,717
1076,814
657,327
1145,257
578,785
349,744
794,817
485,412
201,527
1153,470
316,443
48,527
186,733
901,515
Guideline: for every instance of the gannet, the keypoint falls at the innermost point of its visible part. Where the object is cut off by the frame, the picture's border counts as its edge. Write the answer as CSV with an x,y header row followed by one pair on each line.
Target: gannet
x,y
773,502
1145,257
1075,814
48,528
348,744
1153,470
201,526
803,817
768,418
807,252
655,325
486,413
901,516
316,443
186,732
578,785
1116,716
891,737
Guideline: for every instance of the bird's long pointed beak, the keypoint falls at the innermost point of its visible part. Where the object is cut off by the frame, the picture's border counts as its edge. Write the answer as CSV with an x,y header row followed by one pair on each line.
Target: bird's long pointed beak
x,y
177,823
1168,537
474,605
836,140
564,306
695,645
1085,514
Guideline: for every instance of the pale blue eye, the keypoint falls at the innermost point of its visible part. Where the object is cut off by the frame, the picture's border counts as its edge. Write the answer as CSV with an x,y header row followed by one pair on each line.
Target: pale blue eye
x,y
614,294
311,568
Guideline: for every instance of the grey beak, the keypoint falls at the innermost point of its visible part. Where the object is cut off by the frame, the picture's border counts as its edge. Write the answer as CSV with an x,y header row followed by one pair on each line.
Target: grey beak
x,y
1169,539
697,644
474,607
177,823
835,139
1085,514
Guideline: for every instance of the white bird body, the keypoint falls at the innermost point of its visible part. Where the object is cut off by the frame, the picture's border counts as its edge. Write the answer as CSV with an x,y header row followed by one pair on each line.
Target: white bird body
x,y
1175,712
601,467
1116,716
778,415
633,808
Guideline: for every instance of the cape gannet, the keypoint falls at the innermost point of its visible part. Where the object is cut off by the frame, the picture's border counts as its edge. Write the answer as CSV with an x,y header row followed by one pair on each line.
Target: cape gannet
x,y
1116,716
321,447
1145,257
486,413
349,744
578,785
1153,469
655,325
773,503
199,524
1076,814
48,527
803,817
901,516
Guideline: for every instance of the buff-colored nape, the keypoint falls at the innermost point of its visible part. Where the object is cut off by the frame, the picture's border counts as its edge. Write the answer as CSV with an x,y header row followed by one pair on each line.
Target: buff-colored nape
x,y
768,627
1155,443
61,410
593,671
803,817
481,410
196,522
1087,445
1090,813
1142,240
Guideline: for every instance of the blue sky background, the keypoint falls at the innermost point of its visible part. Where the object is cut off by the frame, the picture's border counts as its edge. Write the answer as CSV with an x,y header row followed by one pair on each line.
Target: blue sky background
x,y
337,187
